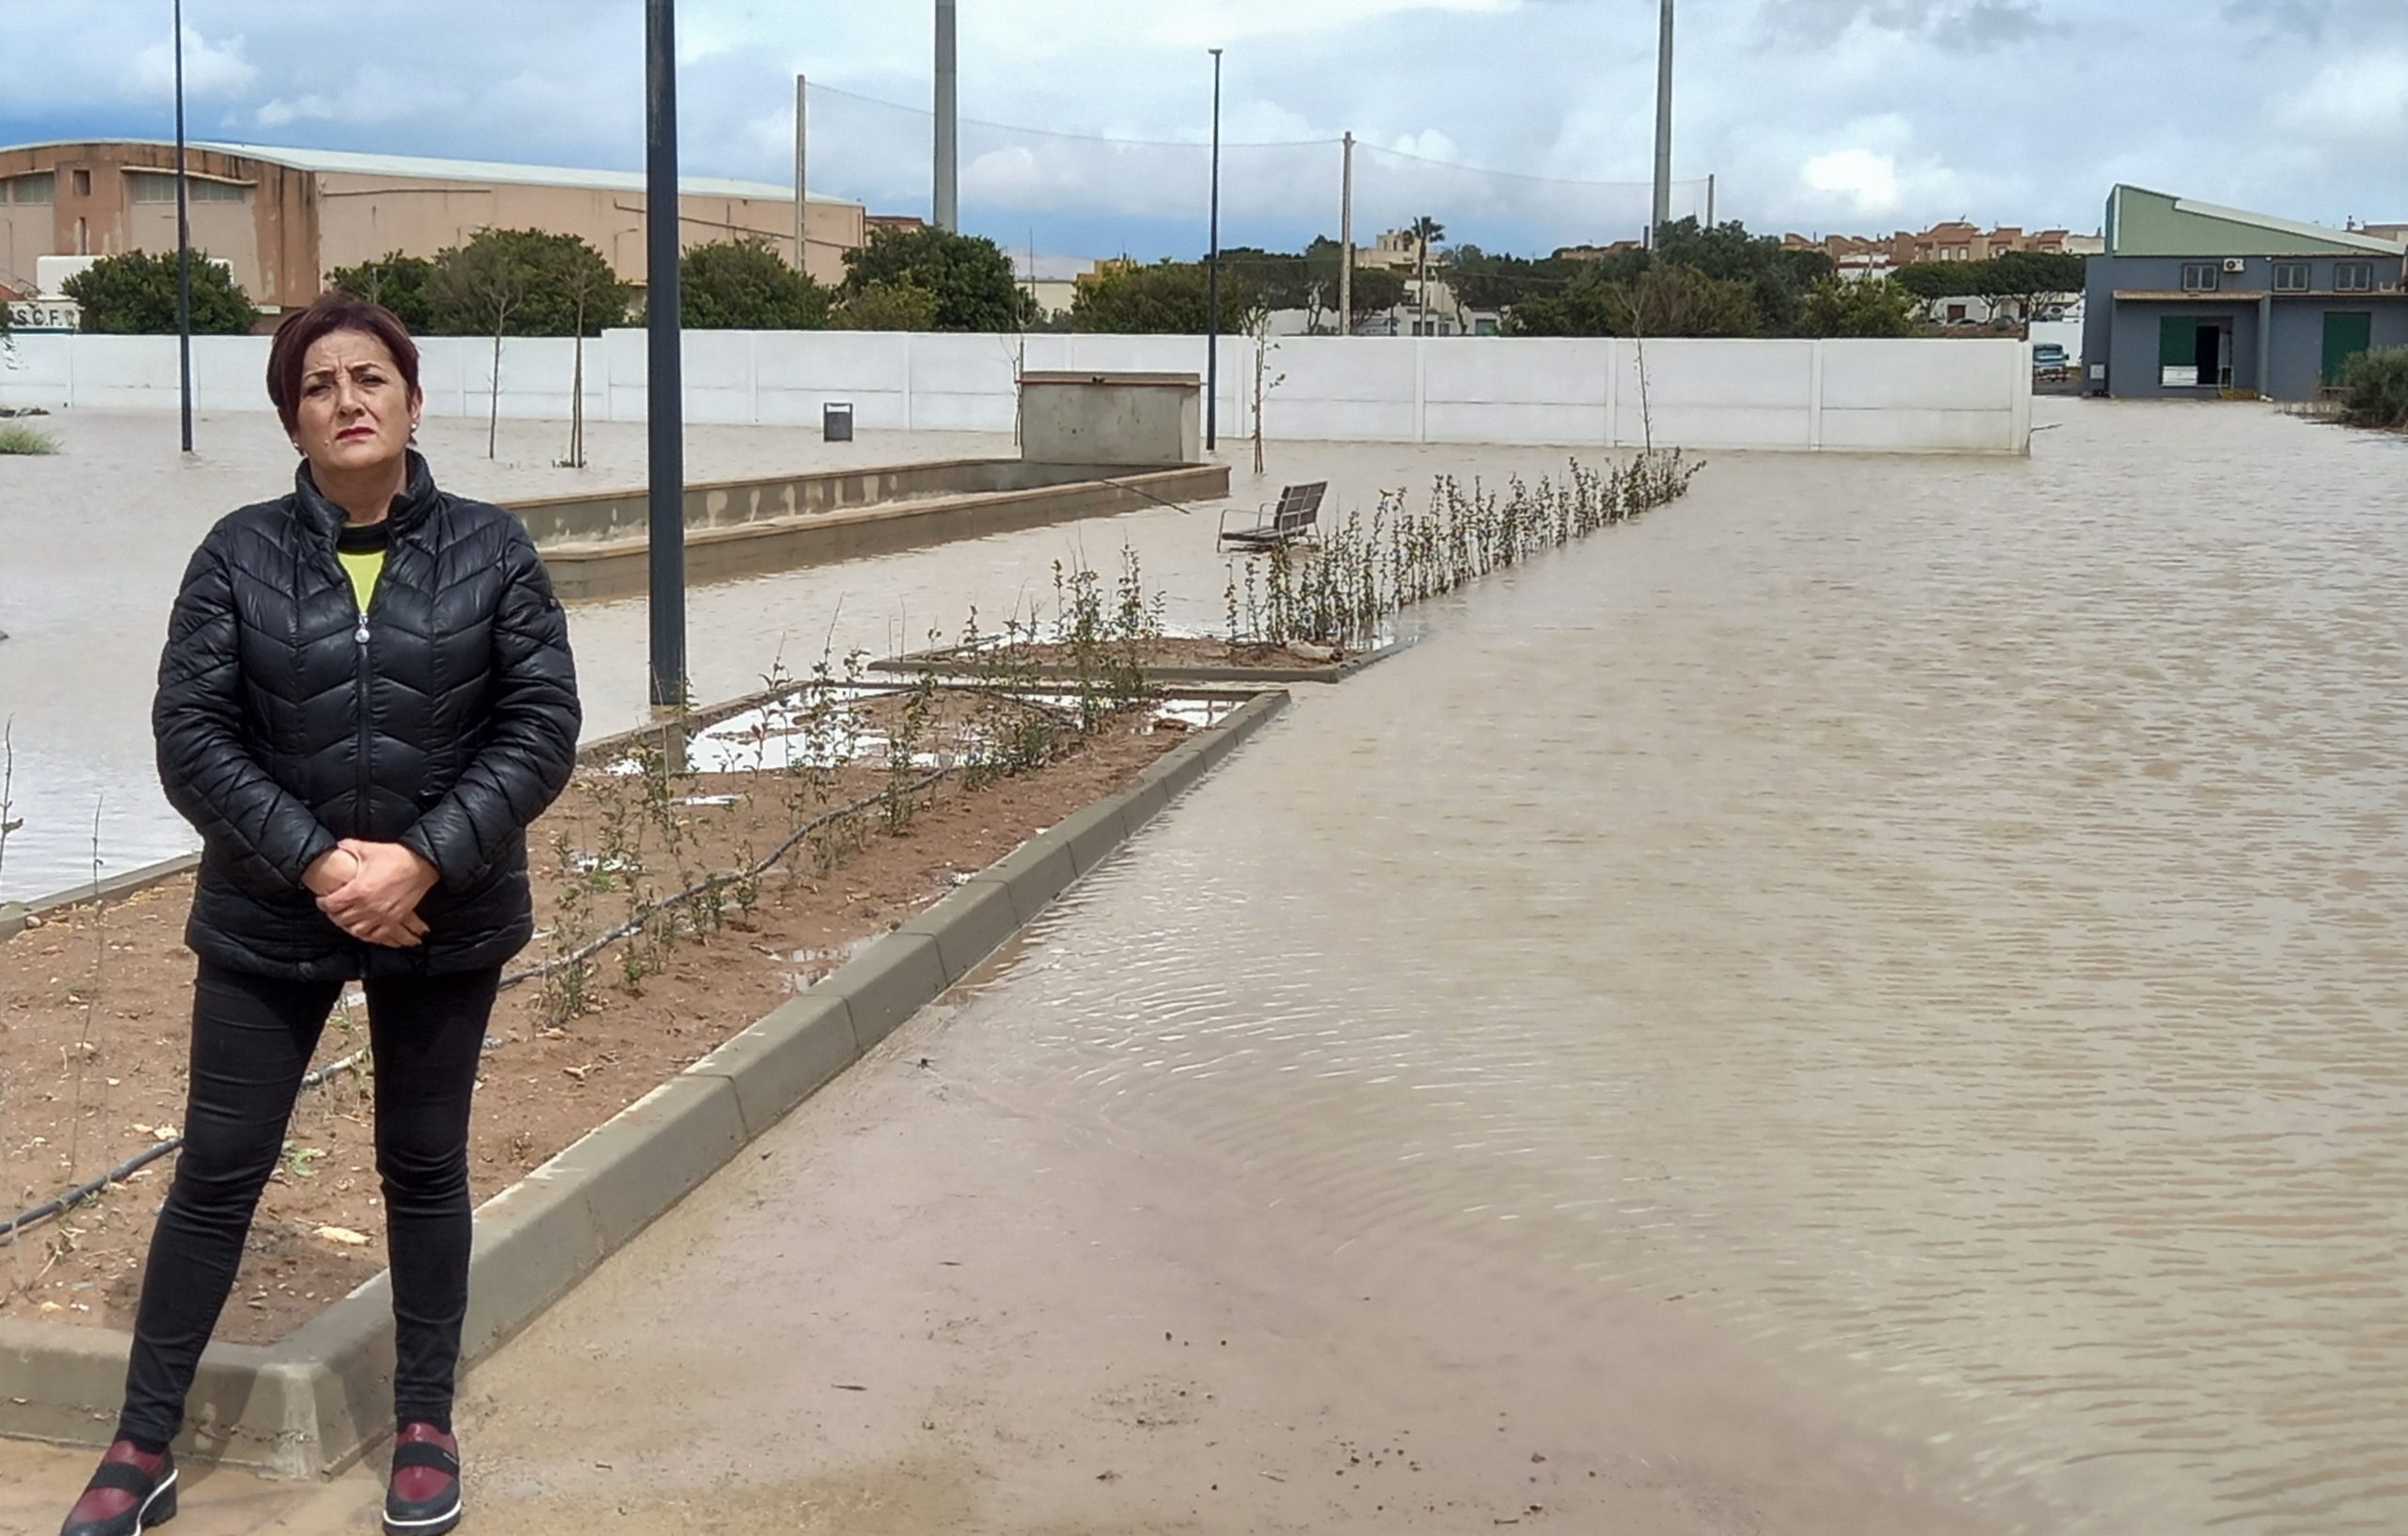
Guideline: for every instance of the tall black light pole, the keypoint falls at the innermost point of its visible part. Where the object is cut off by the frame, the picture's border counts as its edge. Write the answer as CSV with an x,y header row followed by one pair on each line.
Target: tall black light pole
x,y
665,391
183,239
948,169
1213,280
1663,209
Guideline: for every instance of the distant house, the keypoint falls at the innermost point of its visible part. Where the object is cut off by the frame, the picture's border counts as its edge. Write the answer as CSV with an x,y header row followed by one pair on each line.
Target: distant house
x,y
1859,257
2190,299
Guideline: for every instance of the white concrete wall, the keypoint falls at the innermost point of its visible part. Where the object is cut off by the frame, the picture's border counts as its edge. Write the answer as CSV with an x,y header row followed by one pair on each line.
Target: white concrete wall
x,y
1971,396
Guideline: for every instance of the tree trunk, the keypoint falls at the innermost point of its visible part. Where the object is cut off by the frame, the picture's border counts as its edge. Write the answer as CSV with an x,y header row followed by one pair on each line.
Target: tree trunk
x,y
577,406
576,394
493,399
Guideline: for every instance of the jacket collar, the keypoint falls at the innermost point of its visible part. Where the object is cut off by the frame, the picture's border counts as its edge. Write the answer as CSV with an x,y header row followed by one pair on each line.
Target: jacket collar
x,y
418,497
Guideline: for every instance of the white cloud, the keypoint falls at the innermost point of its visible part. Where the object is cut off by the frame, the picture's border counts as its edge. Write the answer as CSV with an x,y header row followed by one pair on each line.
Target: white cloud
x,y
210,69
2365,97
1867,179
1429,144
1204,24
1876,169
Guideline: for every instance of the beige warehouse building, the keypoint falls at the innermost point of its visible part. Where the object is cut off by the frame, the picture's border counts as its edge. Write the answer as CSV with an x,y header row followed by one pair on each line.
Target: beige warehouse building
x,y
283,218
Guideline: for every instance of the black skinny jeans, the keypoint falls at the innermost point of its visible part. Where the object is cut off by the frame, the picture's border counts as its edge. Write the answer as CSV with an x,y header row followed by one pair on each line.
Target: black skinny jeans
x,y
252,1038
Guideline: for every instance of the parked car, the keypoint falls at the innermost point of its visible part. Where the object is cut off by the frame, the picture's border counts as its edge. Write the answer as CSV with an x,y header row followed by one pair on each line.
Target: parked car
x,y
2048,354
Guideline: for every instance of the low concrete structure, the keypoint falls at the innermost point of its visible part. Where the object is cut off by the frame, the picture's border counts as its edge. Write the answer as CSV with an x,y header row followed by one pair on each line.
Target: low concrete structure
x,y
310,1404
1112,417
597,545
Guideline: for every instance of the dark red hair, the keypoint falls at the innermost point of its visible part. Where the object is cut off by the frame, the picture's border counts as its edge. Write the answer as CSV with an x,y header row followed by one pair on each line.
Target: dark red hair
x,y
304,329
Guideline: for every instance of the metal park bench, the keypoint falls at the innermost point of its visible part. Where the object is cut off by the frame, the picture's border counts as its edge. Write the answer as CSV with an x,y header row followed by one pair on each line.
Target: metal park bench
x,y
1296,516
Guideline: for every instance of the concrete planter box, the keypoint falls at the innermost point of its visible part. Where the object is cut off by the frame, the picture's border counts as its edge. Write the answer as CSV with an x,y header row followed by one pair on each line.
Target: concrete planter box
x,y
313,1403
596,545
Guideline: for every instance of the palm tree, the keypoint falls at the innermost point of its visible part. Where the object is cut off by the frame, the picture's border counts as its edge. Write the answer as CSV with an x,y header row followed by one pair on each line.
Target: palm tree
x,y
1426,229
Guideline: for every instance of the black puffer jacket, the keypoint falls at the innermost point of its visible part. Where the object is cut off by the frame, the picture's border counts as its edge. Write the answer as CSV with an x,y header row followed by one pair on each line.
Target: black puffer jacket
x,y
445,719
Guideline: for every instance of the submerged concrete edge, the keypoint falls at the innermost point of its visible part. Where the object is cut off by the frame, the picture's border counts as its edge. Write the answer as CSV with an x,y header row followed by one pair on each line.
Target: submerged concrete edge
x,y
948,663
315,1401
108,892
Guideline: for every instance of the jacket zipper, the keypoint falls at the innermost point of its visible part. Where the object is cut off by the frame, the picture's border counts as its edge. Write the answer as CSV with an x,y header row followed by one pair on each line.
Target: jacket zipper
x,y
363,673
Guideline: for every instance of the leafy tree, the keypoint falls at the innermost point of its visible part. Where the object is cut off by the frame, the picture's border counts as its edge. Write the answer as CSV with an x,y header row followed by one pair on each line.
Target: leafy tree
x,y
135,294
1931,280
1662,298
401,283
2374,388
2018,276
1488,280
1776,277
1673,299
481,289
745,285
1873,307
1584,306
1426,232
969,277
1278,280
1165,299
1323,261
1377,290
901,305
526,282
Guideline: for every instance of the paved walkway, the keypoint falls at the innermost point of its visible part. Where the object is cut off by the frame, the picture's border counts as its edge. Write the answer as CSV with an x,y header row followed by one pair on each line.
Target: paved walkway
x,y
917,1309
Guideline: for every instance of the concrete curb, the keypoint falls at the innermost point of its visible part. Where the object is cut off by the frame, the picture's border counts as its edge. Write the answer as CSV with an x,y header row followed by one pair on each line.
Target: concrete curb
x,y
115,888
949,663
313,1402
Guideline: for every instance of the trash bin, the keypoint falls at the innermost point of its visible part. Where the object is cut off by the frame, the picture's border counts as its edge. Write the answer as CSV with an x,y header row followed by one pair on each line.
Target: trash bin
x,y
836,421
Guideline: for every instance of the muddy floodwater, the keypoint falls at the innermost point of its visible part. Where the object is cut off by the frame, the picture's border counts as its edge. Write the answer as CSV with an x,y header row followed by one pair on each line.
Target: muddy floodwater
x,y
1930,933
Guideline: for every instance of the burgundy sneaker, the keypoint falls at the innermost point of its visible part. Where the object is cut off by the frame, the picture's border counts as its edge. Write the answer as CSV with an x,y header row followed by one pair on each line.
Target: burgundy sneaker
x,y
424,1498
131,1493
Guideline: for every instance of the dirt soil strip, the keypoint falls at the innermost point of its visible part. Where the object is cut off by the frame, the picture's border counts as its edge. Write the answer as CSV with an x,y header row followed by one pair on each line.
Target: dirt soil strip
x,y
95,1068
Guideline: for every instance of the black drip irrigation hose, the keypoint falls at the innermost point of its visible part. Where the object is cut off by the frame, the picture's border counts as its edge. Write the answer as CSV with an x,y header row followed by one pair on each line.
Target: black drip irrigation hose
x,y
60,1204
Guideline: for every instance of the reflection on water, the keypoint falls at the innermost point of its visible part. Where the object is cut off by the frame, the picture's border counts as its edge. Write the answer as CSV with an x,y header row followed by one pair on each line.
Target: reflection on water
x,y
1943,920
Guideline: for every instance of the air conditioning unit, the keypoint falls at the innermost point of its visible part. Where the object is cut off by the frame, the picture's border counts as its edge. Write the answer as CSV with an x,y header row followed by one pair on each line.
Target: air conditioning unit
x,y
2234,263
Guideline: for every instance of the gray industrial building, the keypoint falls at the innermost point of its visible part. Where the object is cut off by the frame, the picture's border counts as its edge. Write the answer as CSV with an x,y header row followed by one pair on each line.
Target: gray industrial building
x,y
2191,300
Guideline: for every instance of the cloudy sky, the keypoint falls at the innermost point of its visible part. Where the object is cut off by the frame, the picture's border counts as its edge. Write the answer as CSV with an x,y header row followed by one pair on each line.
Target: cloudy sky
x,y
1812,115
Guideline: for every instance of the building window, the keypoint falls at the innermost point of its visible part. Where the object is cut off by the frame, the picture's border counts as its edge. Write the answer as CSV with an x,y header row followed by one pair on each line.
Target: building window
x,y
2353,277
2291,276
82,184
39,188
160,187
2198,276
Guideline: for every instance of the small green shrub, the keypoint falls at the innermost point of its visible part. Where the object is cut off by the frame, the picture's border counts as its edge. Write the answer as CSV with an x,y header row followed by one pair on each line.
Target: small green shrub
x,y
2374,388
16,437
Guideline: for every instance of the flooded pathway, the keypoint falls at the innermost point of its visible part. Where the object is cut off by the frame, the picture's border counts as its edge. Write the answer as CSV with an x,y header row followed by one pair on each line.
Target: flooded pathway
x,y
1871,1001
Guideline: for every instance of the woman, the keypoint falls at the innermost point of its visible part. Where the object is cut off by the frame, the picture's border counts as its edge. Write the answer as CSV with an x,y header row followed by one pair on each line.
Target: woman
x,y
366,697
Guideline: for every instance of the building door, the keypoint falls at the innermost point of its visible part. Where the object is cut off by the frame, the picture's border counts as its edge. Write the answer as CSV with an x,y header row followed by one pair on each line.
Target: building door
x,y
2345,337
2177,352
2215,354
